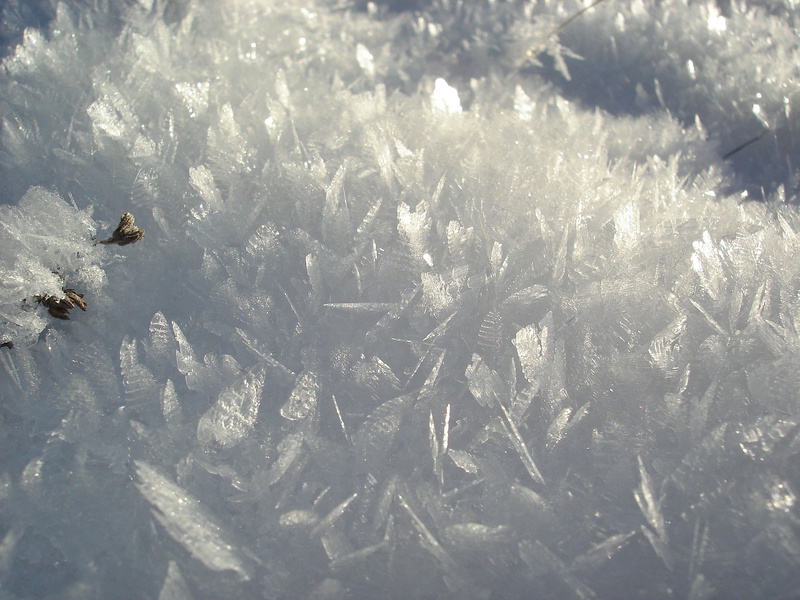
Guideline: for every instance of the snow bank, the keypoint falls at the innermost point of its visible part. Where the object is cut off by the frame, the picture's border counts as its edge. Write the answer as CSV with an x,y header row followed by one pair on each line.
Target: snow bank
x,y
432,302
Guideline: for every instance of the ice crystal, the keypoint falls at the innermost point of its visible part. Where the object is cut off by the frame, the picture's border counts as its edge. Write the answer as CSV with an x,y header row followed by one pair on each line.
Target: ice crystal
x,y
436,299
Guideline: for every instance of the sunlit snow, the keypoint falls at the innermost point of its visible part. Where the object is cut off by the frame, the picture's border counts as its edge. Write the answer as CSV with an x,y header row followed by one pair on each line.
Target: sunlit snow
x,y
425,299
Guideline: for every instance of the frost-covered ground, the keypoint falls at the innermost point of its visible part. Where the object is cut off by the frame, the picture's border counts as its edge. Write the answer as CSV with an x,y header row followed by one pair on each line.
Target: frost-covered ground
x,y
432,302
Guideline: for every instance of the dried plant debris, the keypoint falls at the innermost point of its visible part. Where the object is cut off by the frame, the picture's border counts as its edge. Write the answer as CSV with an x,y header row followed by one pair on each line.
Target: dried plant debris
x,y
60,307
126,232
74,298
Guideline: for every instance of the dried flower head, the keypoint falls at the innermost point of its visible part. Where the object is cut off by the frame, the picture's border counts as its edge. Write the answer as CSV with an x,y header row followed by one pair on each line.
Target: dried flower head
x,y
126,232
60,307
57,307
74,298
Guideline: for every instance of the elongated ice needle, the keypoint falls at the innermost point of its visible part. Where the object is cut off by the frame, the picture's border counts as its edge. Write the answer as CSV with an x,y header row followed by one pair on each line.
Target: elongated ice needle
x,y
341,420
446,430
332,516
519,445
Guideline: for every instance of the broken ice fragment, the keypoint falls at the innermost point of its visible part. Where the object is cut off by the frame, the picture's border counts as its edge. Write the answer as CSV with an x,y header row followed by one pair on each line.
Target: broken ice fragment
x,y
188,523
125,233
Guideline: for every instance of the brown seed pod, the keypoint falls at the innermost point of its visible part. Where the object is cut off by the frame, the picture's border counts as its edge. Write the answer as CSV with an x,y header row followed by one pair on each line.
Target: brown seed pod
x,y
125,233
74,298
57,307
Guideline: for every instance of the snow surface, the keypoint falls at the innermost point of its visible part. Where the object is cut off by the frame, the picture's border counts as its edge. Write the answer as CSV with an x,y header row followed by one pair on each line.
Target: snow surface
x,y
434,300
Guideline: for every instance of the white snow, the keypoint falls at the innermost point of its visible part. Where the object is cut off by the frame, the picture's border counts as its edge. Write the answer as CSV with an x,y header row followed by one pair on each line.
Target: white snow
x,y
436,299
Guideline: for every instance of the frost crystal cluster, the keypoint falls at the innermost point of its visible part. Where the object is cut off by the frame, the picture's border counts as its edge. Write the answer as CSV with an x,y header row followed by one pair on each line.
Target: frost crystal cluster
x,y
436,300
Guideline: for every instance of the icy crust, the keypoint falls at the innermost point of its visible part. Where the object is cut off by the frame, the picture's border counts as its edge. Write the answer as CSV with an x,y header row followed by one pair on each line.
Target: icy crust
x,y
408,322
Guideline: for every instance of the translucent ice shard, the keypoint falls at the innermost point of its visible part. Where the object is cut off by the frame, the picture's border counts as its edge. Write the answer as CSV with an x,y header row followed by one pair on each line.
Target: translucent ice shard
x,y
454,576
299,519
137,380
650,504
170,406
112,115
541,561
464,536
599,554
234,413
436,297
534,348
665,349
490,335
414,228
160,345
707,262
203,182
445,98
375,439
291,458
484,383
336,218
188,523
174,586
564,422
365,60
520,446
302,401
464,461
328,520
701,588
627,229
184,355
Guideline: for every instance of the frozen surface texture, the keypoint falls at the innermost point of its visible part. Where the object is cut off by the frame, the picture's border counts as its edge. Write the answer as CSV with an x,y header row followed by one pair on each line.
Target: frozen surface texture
x,y
433,303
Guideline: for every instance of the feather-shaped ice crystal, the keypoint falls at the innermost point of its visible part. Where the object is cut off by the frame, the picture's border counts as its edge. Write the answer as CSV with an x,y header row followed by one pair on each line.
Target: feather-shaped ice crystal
x,y
234,414
188,523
